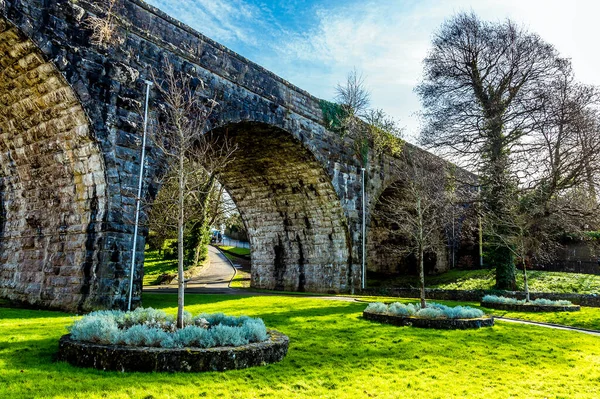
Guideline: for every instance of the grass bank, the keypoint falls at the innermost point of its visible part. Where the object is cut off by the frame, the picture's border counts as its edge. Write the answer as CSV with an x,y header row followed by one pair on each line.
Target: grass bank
x,y
155,266
234,250
334,353
484,279
241,279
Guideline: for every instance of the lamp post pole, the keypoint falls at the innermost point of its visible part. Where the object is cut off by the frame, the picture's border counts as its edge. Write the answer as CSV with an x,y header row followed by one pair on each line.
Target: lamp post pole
x,y
364,232
138,197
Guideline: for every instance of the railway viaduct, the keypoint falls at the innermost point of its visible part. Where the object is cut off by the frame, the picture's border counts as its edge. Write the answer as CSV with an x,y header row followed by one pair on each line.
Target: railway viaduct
x,y
70,137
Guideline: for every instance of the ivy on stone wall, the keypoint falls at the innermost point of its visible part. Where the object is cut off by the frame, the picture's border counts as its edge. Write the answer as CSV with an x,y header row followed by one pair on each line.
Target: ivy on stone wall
x,y
376,132
385,141
333,115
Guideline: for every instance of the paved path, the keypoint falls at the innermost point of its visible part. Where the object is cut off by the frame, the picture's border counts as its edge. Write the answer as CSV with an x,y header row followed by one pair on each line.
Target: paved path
x,y
217,275
548,325
213,279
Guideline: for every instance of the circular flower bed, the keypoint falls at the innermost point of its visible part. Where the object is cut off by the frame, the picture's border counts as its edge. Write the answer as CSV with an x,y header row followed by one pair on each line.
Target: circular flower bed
x,y
520,305
433,316
148,340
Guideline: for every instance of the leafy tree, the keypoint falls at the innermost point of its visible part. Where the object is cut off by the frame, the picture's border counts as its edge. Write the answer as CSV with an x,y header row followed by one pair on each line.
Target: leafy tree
x,y
235,227
559,169
481,93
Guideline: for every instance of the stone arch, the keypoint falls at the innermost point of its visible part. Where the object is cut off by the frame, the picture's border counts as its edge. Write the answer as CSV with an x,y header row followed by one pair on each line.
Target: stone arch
x,y
52,180
295,221
381,259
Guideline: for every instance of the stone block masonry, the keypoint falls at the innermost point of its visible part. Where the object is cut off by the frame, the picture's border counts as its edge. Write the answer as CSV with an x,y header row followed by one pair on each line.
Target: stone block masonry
x,y
53,190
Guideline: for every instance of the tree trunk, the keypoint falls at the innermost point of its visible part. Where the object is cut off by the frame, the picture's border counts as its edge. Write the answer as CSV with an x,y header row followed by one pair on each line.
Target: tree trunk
x,y
421,243
422,278
180,258
503,260
497,191
527,298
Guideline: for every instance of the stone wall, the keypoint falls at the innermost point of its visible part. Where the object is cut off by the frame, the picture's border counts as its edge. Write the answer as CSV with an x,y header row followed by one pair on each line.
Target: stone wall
x,y
52,179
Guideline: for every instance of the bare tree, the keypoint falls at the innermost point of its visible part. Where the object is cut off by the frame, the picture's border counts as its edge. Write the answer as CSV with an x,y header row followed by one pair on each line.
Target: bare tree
x,y
104,29
372,129
204,203
480,94
353,96
420,209
188,150
564,151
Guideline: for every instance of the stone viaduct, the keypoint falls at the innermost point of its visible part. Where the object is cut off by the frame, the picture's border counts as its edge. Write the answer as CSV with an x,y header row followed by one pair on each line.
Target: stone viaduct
x,y
70,137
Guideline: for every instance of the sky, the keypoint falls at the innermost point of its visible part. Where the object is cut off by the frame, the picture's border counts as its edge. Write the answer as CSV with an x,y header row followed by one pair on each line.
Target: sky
x,y
315,44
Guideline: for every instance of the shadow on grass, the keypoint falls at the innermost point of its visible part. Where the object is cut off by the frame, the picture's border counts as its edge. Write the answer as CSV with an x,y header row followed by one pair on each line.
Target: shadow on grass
x,y
19,311
155,266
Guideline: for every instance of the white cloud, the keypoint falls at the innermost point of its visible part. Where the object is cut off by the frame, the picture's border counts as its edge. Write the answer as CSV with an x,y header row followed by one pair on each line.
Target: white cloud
x,y
225,21
388,40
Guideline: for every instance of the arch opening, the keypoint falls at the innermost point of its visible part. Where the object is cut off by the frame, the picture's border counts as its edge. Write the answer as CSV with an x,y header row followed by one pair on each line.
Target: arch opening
x,y
294,219
51,180
388,256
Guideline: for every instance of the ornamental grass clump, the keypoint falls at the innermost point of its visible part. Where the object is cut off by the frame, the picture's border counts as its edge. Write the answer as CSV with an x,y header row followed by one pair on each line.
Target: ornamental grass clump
x,y
154,328
401,309
514,301
432,311
377,307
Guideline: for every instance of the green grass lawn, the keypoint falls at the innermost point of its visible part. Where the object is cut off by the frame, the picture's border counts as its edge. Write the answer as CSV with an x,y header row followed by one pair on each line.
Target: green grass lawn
x,y
240,280
539,281
155,266
588,318
235,250
333,353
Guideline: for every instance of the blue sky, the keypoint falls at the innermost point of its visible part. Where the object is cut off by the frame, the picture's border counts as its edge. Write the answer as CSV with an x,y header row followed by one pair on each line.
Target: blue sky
x,y
314,44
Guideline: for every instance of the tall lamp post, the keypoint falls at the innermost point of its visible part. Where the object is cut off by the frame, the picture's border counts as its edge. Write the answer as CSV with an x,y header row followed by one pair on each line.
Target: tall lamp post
x,y
138,197
364,232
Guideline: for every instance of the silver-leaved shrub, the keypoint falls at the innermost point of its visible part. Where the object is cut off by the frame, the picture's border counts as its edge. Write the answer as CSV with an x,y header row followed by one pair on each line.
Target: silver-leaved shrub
x,y
514,301
377,307
151,327
432,311
402,309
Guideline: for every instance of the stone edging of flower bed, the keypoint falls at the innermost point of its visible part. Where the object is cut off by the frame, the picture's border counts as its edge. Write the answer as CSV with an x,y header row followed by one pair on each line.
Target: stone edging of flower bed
x,y
530,308
150,359
442,324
